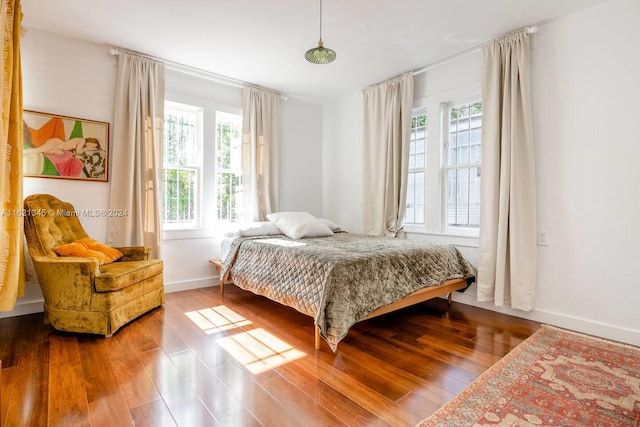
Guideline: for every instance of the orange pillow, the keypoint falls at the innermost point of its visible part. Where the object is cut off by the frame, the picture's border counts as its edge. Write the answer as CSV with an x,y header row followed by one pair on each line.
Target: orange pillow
x,y
79,250
111,253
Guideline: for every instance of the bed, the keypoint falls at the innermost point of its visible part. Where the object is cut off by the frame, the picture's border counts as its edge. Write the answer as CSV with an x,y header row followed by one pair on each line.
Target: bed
x,y
343,278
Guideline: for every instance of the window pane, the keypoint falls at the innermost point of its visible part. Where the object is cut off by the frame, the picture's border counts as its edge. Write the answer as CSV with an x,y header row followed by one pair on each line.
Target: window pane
x,y
182,158
419,135
419,198
474,197
229,196
181,145
417,141
475,148
465,126
463,165
180,189
453,149
417,160
410,214
228,166
415,198
463,197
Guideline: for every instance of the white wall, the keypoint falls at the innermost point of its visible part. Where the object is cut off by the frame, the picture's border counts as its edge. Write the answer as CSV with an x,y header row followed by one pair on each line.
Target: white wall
x,y
587,134
301,157
76,78
585,86
72,78
342,154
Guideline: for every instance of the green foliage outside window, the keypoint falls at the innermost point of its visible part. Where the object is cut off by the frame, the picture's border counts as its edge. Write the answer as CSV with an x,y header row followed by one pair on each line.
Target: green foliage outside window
x,y
180,174
466,110
228,177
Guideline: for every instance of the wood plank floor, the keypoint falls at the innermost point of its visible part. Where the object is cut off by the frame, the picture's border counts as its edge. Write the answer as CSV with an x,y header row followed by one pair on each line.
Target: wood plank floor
x,y
241,360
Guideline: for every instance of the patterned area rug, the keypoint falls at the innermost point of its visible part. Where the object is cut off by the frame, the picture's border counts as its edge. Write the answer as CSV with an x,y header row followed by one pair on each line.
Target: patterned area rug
x,y
553,378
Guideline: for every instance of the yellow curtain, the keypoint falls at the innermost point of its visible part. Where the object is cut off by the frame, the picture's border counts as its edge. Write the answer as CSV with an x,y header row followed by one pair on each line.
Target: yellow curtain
x,y
11,240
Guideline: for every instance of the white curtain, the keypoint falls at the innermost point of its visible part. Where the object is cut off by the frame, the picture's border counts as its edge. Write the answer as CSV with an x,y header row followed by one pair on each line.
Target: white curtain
x,y
261,119
136,183
388,108
508,253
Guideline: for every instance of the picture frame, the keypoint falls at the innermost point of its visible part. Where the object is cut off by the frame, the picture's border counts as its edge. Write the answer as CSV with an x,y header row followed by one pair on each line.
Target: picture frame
x,y
65,147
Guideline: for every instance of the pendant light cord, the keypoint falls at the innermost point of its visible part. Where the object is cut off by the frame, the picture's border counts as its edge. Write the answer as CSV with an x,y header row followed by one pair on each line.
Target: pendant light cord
x,y
320,20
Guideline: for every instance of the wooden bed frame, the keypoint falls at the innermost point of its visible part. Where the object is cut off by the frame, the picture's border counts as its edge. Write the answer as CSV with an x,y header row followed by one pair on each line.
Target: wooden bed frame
x,y
418,296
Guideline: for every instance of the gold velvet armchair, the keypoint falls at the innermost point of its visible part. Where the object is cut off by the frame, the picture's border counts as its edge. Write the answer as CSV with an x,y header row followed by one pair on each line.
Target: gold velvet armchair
x,y
80,294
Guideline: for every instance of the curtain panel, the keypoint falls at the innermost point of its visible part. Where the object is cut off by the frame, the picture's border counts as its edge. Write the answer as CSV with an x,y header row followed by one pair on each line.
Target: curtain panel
x,y
11,226
261,118
388,108
508,253
136,184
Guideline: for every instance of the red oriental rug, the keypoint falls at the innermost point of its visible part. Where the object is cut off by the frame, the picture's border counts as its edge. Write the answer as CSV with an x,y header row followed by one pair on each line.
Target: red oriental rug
x,y
553,378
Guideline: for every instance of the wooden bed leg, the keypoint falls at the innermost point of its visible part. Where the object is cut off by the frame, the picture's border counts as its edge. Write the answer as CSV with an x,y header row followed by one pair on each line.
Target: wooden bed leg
x,y
450,298
317,337
221,287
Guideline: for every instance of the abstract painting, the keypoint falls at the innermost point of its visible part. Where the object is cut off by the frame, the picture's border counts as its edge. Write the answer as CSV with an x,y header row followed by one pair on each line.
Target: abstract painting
x,y
65,147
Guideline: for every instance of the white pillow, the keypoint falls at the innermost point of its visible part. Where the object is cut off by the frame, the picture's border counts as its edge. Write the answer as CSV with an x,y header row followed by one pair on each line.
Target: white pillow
x,y
332,225
297,225
261,228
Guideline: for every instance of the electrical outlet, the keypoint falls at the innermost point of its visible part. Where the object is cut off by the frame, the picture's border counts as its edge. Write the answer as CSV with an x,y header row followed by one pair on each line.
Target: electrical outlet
x,y
543,238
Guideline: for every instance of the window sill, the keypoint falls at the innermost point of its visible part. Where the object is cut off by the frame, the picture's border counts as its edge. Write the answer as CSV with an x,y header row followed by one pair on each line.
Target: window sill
x,y
190,234
439,237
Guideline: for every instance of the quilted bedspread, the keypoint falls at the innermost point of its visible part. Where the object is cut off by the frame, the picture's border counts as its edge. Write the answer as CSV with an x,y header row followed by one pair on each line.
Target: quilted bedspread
x,y
340,279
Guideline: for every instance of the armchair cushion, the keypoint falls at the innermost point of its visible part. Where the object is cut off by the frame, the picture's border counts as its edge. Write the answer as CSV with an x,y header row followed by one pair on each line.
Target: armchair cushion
x,y
79,250
119,275
112,253
89,248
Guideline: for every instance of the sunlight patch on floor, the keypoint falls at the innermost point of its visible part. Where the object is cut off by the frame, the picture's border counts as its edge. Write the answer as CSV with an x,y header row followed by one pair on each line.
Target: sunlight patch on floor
x,y
217,319
259,350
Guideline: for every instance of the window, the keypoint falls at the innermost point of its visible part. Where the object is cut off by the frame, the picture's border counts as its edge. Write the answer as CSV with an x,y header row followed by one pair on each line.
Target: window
x,y
443,191
202,169
182,165
228,166
417,157
462,150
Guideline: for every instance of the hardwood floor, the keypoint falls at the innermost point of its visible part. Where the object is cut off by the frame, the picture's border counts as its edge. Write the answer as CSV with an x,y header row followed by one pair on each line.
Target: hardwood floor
x,y
241,360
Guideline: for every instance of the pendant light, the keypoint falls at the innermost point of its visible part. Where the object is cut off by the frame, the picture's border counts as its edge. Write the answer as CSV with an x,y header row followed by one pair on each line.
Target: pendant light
x,y
320,54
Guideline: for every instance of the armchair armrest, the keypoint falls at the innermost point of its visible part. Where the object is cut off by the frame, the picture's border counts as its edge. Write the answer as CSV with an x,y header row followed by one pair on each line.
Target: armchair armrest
x,y
67,281
135,253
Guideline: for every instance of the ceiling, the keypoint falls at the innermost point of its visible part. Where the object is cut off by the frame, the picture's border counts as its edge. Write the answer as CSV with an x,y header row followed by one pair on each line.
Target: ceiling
x,y
263,42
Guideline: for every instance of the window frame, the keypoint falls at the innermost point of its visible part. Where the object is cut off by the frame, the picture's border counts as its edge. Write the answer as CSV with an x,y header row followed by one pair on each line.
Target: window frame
x,y
421,169
209,226
435,197
198,168
446,167
230,170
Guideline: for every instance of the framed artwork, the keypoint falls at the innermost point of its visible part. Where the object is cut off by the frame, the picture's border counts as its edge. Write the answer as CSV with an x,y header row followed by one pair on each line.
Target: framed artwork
x,y
65,147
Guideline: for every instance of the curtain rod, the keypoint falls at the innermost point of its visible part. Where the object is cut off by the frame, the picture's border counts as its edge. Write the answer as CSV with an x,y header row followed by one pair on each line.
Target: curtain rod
x,y
196,72
439,62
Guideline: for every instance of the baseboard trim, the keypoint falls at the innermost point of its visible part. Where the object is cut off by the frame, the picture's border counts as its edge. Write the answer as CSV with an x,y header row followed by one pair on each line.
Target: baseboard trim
x,y
629,336
25,307
585,326
204,282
